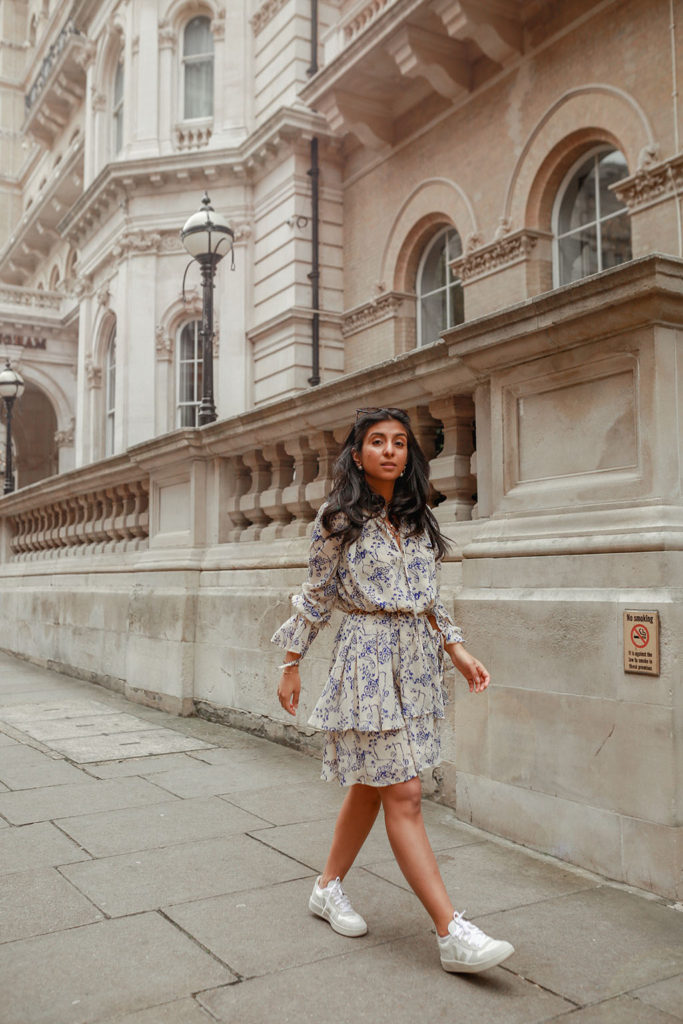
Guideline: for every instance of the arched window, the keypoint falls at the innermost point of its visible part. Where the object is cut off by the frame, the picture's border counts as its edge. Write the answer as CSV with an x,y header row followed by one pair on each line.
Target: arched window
x,y
110,394
189,374
591,225
439,293
117,110
198,69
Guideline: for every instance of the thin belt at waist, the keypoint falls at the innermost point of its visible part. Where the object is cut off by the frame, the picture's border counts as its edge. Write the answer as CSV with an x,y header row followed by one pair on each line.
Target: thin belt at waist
x,y
384,611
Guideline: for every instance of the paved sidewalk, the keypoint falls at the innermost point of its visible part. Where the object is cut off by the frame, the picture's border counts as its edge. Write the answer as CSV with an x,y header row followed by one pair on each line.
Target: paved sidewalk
x,y
156,870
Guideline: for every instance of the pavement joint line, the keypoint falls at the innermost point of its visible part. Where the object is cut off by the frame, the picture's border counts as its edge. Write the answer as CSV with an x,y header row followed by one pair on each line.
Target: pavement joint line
x,y
269,846
100,910
545,988
161,911
55,822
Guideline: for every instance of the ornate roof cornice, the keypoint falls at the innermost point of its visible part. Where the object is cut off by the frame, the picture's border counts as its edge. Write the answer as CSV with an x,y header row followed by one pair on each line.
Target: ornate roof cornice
x,y
651,184
266,13
386,306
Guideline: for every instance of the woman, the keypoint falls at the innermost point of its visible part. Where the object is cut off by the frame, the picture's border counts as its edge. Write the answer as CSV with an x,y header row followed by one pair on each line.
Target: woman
x,y
374,554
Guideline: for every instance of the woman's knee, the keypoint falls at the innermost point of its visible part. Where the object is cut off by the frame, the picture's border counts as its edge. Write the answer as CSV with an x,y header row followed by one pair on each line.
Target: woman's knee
x,y
403,798
368,796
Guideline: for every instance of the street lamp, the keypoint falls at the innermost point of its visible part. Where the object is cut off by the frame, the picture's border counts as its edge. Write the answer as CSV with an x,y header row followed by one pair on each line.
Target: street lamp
x,y
11,388
207,237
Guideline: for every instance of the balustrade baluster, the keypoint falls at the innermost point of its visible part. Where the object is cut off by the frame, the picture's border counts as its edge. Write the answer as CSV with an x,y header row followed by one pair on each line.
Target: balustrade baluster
x,y
272,503
294,496
234,482
327,448
250,503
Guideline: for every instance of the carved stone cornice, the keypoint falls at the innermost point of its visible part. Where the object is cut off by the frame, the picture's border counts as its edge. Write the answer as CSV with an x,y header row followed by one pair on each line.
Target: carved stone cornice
x,y
167,35
218,24
384,307
135,243
266,13
164,345
503,252
651,184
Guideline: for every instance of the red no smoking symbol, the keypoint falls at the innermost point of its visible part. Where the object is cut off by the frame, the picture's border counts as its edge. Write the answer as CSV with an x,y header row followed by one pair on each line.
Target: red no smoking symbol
x,y
640,636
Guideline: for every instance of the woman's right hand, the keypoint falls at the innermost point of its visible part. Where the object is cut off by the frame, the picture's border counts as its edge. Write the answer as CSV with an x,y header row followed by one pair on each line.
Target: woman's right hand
x,y
289,689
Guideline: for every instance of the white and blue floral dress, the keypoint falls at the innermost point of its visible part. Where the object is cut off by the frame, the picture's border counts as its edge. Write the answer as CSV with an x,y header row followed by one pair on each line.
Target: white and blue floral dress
x,y
384,697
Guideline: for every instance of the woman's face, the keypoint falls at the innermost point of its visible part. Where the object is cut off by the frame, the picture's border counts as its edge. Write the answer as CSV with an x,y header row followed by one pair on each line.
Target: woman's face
x,y
384,452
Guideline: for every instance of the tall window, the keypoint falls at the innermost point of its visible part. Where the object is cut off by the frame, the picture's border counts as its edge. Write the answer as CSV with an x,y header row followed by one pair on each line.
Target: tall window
x,y
117,110
110,395
189,374
591,226
198,69
439,293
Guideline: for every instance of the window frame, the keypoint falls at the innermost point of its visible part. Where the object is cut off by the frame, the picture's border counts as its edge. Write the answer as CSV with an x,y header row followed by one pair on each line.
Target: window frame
x,y
195,59
197,361
595,152
419,295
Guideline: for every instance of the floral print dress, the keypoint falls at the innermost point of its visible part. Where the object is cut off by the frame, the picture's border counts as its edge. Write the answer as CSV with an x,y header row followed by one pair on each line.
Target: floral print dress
x,y
384,696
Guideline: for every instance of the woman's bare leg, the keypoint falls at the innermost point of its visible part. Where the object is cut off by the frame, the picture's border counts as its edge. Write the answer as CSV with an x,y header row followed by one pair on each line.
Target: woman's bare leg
x,y
356,818
402,804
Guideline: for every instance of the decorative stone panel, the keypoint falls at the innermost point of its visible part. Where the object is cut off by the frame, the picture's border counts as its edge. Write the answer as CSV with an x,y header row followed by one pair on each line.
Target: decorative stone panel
x,y
384,307
504,252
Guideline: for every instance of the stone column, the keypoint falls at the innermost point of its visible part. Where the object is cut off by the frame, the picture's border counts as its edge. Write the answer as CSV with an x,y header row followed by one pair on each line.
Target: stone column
x,y
450,471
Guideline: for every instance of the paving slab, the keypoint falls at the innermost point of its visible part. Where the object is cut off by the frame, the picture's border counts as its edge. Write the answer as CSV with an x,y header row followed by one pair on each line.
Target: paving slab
x,y
622,1010
181,1011
384,984
100,970
232,926
590,946
36,775
485,877
28,755
7,741
309,841
213,780
107,747
147,764
29,714
40,901
33,846
142,828
664,995
83,725
150,879
247,746
305,802
63,801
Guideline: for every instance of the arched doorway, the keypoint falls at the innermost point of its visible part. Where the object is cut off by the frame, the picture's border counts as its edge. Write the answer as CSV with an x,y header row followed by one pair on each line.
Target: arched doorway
x,y
34,424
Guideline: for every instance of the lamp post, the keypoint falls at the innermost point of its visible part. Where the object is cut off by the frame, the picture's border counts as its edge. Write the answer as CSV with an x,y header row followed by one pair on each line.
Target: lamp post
x,y
203,235
11,388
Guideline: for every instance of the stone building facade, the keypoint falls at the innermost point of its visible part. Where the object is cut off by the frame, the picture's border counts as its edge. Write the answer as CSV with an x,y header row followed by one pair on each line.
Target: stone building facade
x,y
500,252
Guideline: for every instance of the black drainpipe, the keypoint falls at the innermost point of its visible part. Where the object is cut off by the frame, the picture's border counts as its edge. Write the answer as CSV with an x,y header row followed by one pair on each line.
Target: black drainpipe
x,y
315,267
314,174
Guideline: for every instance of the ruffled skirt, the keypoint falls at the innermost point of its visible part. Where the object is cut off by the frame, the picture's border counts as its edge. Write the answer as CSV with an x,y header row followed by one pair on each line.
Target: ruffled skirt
x,y
383,701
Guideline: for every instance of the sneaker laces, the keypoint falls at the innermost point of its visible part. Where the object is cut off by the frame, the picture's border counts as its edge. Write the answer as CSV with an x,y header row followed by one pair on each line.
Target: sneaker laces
x,y
468,931
338,896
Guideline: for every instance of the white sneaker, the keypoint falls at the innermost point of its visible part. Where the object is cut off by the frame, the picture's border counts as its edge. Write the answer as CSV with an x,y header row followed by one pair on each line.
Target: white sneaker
x,y
333,905
467,949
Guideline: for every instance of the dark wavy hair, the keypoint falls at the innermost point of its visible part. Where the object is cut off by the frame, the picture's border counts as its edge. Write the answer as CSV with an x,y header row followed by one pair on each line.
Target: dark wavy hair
x,y
351,495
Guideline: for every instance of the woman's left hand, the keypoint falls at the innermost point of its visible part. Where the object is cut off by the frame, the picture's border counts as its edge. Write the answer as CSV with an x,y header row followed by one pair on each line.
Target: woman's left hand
x,y
473,670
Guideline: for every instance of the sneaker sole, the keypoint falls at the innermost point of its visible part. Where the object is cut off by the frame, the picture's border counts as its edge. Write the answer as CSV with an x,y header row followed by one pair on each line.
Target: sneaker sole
x,y
350,933
458,967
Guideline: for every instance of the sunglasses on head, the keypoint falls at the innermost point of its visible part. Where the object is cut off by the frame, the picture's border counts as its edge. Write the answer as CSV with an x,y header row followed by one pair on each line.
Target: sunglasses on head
x,y
371,410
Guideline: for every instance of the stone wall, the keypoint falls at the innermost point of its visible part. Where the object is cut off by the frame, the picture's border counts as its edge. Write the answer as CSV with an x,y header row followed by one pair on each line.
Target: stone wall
x,y
163,572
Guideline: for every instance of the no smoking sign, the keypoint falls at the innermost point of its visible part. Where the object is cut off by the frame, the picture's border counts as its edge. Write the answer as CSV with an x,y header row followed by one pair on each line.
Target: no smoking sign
x,y
641,642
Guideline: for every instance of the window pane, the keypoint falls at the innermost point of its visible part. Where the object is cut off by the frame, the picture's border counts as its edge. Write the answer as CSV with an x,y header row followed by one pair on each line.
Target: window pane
x,y
188,416
612,168
118,131
578,203
433,317
616,240
457,299
186,382
199,89
578,255
197,38
187,342
434,268
454,245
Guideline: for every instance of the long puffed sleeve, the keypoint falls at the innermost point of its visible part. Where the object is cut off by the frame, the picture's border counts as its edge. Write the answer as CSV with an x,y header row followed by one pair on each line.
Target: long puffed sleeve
x,y
452,634
313,606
